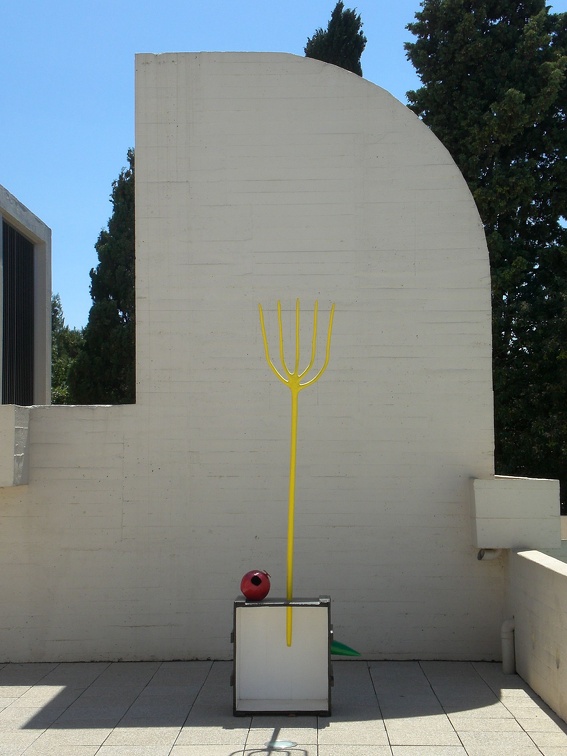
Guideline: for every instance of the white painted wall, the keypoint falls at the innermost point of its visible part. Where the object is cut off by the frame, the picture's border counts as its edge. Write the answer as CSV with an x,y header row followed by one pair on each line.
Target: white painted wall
x,y
262,177
538,602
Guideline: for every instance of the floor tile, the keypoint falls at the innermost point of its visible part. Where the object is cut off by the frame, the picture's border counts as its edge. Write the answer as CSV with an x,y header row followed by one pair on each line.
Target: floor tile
x,y
18,717
540,721
25,674
430,751
300,730
501,743
404,735
496,710
81,736
547,739
465,723
149,750
354,733
220,734
12,750
21,738
56,749
14,691
136,736
352,750
206,750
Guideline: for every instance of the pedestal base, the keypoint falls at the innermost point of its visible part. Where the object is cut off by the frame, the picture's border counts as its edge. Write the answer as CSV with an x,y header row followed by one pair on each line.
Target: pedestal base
x,y
272,677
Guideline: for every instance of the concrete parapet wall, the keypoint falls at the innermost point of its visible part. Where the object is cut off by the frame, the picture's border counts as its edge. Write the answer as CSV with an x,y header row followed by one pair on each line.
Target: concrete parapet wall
x,y
538,601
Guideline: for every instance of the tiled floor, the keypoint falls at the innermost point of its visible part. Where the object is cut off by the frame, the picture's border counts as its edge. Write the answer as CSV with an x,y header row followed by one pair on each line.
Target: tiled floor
x,y
185,709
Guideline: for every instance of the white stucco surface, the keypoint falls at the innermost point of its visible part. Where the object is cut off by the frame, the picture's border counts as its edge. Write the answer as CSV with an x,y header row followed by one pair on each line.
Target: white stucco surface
x,y
262,177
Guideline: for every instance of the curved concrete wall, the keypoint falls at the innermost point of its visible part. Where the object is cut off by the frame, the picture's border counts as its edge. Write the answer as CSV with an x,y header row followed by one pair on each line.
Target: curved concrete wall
x,y
262,177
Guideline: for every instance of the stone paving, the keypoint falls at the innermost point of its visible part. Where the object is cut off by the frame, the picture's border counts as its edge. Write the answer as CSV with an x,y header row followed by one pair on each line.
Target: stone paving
x,y
185,709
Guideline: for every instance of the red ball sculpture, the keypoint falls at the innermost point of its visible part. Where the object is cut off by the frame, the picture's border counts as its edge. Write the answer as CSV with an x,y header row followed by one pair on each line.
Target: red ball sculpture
x,y
255,585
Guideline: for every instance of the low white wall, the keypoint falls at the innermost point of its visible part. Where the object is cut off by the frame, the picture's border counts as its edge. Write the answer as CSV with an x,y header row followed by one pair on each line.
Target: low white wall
x,y
538,602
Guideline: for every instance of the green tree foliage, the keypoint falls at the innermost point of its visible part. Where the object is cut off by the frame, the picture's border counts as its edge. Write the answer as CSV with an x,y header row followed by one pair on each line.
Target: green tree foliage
x,y
104,371
494,91
342,43
66,343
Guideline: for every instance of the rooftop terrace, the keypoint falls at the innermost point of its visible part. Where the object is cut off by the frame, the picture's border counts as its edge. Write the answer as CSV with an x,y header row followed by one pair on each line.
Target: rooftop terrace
x,y
185,709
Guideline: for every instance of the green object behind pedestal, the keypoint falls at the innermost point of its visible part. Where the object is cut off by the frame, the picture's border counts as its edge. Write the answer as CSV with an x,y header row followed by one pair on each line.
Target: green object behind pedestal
x,y
340,649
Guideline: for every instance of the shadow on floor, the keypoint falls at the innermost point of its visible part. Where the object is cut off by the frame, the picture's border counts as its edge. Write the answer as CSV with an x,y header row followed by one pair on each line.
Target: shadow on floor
x,y
198,694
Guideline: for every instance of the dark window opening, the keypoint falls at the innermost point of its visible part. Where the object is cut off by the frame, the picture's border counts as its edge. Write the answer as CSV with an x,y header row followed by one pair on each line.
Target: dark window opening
x,y
17,317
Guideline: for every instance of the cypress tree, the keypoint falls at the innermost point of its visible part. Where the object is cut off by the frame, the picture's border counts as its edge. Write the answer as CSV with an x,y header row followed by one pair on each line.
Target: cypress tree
x,y
104,371
342,43
494,92
66,345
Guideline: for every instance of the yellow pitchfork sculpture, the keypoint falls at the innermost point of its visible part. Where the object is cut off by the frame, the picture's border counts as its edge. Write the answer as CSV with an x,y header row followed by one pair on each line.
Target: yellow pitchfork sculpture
x,y
293,381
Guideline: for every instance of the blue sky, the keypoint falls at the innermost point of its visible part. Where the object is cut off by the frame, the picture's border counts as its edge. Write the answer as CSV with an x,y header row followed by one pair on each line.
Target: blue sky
x,y
67,95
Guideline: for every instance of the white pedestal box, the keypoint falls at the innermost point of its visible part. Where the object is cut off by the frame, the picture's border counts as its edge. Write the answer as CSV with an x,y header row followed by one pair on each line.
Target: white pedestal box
x,y
270,676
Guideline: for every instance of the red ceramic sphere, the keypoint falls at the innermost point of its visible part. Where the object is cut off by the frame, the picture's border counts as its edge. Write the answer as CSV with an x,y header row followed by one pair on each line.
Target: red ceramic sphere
x,y
255,585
